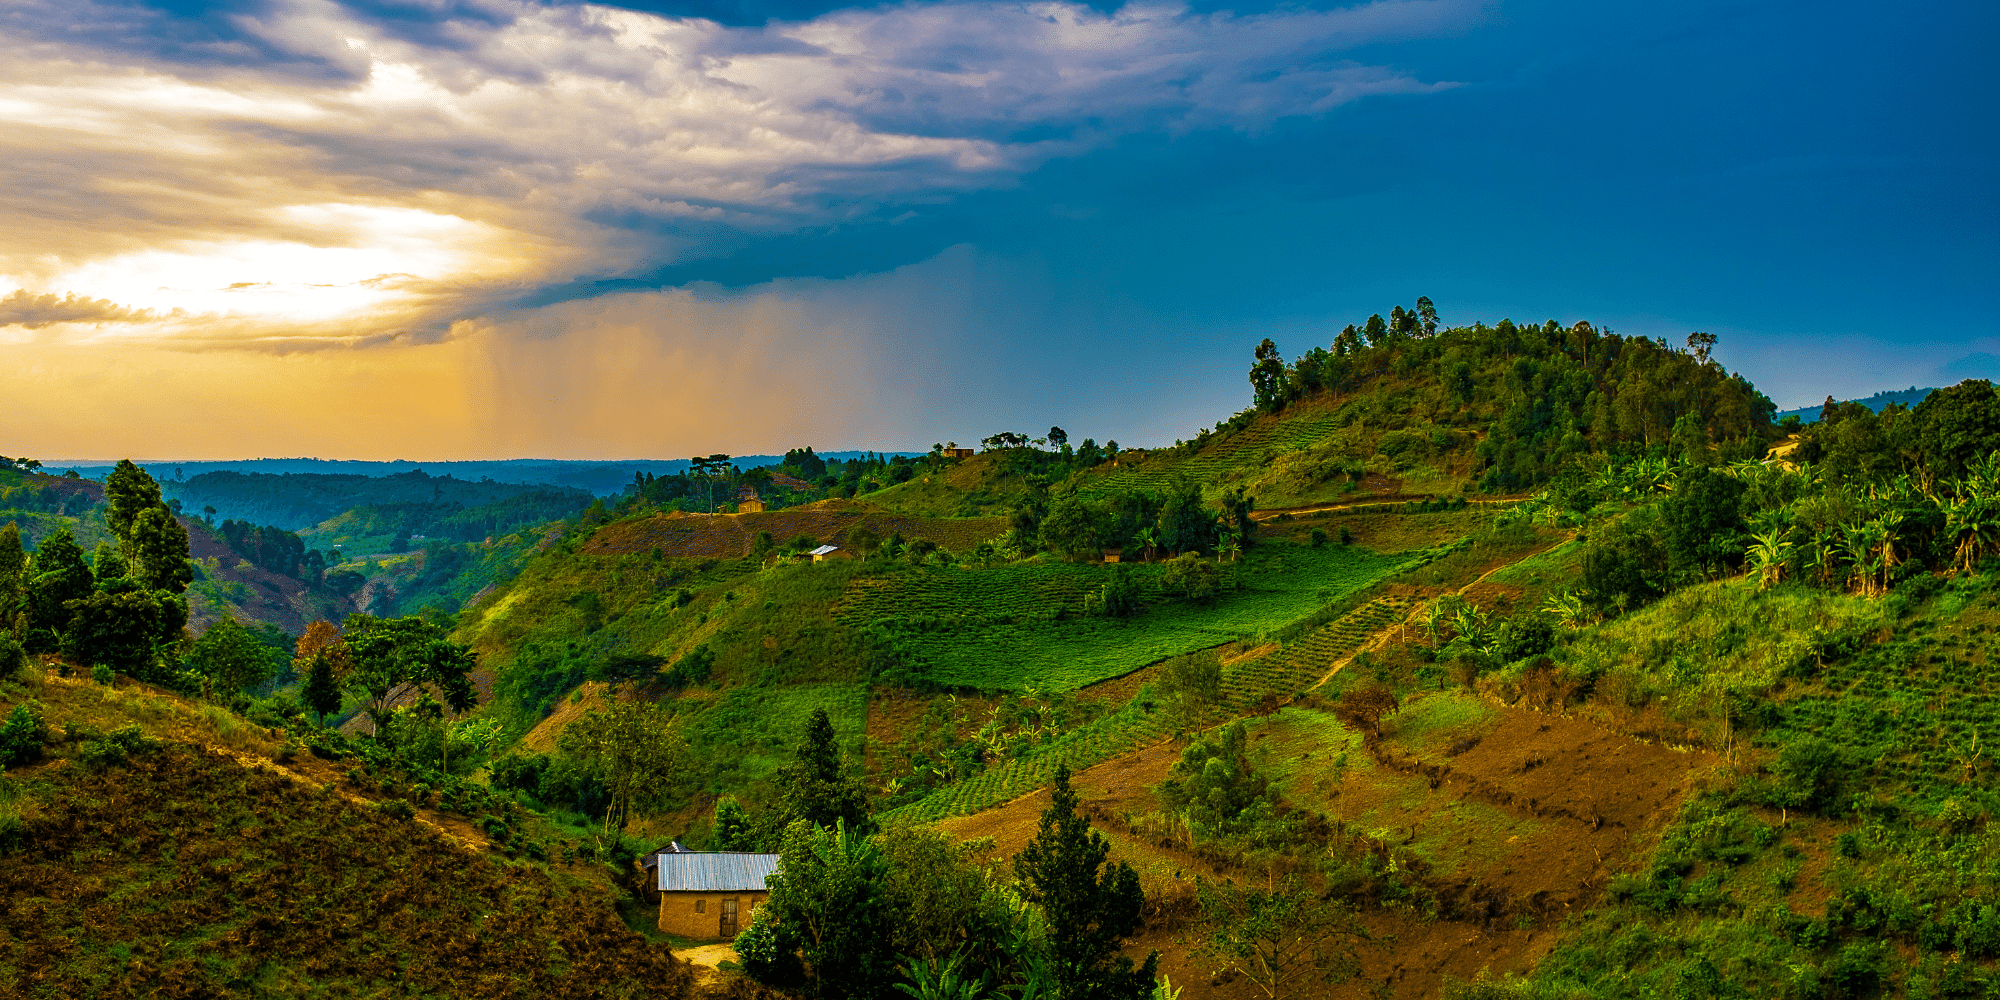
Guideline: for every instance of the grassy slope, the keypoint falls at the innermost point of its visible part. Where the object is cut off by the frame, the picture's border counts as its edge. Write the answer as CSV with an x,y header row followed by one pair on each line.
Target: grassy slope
x,y
202,868
1306,454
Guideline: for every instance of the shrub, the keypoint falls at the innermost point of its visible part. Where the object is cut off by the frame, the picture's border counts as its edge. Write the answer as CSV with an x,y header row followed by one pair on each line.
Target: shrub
x,y
1317,537
13,659
23,735
103,675
112,748
1523,636
1812,771
1118,598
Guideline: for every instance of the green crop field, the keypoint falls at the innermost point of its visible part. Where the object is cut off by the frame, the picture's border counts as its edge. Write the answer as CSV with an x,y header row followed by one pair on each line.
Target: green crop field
x,y
1283,674
1015,627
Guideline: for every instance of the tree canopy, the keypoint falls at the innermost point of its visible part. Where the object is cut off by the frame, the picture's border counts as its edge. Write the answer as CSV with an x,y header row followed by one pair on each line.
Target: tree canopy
x,y
1091,905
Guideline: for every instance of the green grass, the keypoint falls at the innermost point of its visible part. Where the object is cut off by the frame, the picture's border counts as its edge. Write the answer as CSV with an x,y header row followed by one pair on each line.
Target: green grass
x,y
1438,718
1021,626
749,732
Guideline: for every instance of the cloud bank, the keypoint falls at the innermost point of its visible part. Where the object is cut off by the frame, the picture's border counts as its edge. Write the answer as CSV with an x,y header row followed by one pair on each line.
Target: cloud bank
x,y
300,175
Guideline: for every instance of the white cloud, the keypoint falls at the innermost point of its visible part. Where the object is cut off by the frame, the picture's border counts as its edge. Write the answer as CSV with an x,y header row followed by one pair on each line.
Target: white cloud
x,y
321,178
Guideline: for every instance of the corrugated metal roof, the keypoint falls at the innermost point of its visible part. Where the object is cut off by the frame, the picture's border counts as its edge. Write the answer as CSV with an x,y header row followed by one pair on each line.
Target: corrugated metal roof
x,y
824,549
698,871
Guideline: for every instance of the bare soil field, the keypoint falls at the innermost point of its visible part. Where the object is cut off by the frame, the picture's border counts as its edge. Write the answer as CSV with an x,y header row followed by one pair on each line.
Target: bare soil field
x,y
1531,809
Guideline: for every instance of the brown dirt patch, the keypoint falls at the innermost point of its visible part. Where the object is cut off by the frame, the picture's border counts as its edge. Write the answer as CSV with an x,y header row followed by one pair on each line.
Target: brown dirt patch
x,y
1542,808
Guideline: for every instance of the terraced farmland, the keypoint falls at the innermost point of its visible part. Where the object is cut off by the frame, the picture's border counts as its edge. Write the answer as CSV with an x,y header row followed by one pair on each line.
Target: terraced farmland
x,y
1285,673
1012,627
1297,667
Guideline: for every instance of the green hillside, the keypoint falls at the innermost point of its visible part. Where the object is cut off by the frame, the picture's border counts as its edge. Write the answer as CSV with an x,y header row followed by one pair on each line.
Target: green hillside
x,y
1470,662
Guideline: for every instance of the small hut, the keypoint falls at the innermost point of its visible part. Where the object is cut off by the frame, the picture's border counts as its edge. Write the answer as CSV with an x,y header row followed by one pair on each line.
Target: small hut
x,y
706,895
820,554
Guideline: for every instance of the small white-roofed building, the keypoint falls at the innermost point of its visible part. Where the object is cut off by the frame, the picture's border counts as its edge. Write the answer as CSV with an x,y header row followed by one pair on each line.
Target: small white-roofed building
x,y
706,895
823,551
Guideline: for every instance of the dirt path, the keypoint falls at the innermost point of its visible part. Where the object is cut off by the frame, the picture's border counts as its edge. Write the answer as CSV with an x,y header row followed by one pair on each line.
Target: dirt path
x,y
1375,642
710,955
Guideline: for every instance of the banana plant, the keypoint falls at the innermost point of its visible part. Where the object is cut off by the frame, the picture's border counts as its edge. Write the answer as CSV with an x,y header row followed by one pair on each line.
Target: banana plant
x,y
1769,557
1148,537
1568,609
941,979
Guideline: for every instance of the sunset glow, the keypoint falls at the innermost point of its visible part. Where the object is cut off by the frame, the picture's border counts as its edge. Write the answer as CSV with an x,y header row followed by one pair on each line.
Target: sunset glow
x,y
426,204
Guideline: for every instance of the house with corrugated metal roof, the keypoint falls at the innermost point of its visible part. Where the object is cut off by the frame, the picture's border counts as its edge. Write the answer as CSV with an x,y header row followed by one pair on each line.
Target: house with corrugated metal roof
x,y
708,894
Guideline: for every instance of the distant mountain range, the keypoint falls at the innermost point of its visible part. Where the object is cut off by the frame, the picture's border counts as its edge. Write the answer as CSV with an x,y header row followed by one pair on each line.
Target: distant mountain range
x,y
601,478
1908,397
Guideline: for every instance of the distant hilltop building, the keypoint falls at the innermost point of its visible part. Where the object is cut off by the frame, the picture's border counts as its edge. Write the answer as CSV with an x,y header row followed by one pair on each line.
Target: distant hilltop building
x,y
822,552
958,453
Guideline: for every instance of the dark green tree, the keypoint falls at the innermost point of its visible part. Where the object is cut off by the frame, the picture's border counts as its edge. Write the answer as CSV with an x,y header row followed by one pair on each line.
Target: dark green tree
x,y
1214,786
106,564
827,899
732,829
1092,906
1075,528
321,692
1186,524
394,655
122,629
128,490
1702,521
1623,569
1958,424
1236,507
60,577
231,658
1427,314
815,784
1376,330
13,564
1267,376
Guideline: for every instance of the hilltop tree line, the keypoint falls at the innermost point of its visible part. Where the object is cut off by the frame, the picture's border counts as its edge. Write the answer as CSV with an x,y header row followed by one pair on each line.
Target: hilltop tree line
x,y
1554,393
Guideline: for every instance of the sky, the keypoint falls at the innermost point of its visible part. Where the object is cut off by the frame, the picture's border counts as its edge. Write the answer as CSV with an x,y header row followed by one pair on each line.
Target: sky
x,y
481,229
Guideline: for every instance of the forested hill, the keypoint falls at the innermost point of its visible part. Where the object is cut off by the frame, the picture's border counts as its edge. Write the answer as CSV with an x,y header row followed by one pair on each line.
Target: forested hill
x,y
1878,402
300,501
1528,398
1396,408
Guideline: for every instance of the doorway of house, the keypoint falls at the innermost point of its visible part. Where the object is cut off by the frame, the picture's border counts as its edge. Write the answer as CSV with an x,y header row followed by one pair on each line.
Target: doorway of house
x,y
728,918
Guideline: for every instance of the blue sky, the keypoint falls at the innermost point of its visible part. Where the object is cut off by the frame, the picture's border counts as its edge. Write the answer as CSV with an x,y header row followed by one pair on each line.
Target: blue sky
x,y
486,229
